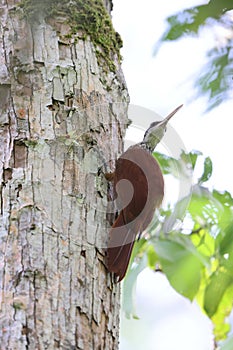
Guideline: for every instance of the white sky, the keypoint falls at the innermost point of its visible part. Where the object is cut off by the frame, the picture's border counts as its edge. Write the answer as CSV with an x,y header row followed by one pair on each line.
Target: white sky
x,y
161,83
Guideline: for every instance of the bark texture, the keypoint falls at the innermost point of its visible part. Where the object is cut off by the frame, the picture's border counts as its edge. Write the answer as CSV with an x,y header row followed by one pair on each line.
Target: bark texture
x,y
62,115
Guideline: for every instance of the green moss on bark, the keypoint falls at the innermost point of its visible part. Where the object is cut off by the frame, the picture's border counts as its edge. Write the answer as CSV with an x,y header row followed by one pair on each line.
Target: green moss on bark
x,y
85,17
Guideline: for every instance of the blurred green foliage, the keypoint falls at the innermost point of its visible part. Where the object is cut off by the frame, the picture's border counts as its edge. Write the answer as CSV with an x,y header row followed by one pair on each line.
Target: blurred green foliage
x,y
197,257
216,77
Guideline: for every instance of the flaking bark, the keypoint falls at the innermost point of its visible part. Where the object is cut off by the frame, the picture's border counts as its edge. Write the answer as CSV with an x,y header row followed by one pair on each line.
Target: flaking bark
x,y
62,116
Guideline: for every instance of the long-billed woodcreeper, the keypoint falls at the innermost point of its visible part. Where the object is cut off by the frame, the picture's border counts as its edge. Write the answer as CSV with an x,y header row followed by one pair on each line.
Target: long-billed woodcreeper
x,y
139,189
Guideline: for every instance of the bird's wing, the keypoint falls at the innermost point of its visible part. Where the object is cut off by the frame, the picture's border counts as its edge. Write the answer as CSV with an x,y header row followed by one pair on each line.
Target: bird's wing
x,y
121,241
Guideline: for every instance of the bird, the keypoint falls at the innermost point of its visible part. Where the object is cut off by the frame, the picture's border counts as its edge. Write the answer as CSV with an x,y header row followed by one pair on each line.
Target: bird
x,y
138,188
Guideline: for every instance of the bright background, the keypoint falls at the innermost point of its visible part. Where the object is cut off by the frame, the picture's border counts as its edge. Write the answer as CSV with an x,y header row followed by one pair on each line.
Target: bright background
x,y
161,83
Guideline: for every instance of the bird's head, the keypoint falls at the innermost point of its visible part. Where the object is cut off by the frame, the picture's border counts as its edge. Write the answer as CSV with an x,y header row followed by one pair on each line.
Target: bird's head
x,y
156,131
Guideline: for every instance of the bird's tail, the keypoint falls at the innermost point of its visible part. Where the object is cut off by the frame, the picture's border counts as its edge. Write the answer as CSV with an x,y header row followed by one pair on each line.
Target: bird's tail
x,y
120,246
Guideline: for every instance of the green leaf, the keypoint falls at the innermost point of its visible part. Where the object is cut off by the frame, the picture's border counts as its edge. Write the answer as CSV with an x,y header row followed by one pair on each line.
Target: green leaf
x,y
181,263
215,80
219,282
152,257
220,318
177,167
224,197
189,21
225,213
169,165
225,240
204,209
190,158
204,242
208,168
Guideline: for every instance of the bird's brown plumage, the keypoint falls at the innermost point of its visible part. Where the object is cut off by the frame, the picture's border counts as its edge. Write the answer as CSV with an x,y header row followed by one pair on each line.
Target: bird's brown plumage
x,y
139,188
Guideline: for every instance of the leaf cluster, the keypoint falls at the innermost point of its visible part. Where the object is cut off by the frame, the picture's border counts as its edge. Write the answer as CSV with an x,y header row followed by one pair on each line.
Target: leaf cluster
x,y
197,258
216,77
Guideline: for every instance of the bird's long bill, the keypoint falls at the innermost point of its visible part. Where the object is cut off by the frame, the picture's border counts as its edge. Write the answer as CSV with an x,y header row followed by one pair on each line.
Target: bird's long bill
x,y
165,120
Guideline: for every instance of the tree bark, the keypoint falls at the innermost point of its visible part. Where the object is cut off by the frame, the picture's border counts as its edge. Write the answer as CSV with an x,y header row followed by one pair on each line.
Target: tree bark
x,y
63,115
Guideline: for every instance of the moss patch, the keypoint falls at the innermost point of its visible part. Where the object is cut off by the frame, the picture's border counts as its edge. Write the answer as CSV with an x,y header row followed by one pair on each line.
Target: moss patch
x,y
86,17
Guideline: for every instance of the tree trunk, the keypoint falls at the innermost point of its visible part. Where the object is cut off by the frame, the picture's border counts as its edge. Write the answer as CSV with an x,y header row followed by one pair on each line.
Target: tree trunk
x,y
63,104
